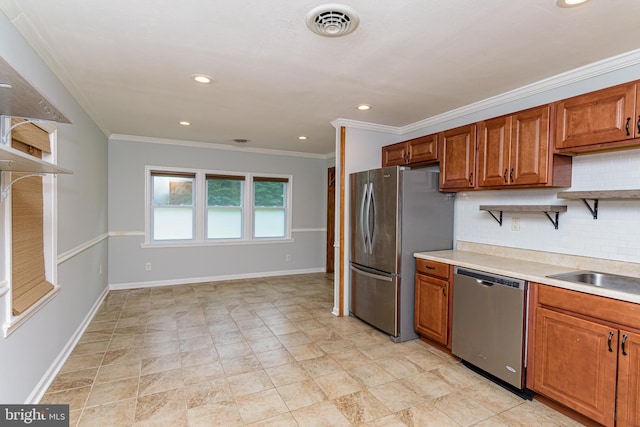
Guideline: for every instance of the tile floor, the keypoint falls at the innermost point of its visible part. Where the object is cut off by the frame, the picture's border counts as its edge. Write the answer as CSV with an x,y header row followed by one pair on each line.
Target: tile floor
x,y
267,352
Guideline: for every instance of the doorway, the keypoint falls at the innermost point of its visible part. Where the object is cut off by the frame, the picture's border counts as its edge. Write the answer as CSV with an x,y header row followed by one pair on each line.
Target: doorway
x,y
331,211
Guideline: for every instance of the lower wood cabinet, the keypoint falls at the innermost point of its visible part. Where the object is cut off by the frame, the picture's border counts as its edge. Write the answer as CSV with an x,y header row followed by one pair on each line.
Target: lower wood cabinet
x,y
433,298
584,356
628,413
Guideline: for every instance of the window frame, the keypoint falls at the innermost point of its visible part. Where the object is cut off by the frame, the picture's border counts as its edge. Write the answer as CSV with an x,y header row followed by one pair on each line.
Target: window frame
x,y
201,209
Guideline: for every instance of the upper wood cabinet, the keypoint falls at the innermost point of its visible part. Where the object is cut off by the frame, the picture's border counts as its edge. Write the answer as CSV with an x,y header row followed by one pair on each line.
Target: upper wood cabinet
x,y
599,120
516,150
457,148
414,151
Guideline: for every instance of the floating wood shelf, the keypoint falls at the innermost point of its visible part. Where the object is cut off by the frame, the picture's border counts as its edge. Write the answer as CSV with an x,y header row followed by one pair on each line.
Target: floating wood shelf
x,y
594,196
546,209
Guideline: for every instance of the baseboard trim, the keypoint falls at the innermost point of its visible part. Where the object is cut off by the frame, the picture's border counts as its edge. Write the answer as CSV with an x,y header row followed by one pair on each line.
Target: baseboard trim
x,y
152,284
54,369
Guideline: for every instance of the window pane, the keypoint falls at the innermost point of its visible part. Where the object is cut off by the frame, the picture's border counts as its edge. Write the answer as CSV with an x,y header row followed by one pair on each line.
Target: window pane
x,y
269,222
224,223
172,191
224,192
269,194
172,223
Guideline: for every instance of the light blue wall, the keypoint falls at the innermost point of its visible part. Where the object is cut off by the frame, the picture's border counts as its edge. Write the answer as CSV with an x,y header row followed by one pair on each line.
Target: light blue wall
x,y
127,160
29,352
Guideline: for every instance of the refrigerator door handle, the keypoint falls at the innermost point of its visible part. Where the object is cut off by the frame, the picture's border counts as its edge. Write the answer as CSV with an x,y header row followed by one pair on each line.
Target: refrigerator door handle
x,y
363,219
372,219
367,192
372,275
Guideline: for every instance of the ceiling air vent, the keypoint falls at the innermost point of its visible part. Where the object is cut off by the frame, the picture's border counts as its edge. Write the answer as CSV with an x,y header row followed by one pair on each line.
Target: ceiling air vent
x,y
332,20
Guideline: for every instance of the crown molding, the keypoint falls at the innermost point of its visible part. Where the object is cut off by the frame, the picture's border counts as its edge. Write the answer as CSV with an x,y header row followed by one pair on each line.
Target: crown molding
x,y
576,75
215,146
355,124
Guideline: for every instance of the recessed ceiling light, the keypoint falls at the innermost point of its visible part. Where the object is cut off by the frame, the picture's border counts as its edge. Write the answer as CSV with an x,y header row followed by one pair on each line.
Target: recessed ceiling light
x,y
302,138
185,123
363,107
570,3
5,85
202,78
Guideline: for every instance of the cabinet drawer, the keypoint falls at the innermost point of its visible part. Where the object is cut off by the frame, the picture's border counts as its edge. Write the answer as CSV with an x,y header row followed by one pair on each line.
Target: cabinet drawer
x,y
432,268
616,311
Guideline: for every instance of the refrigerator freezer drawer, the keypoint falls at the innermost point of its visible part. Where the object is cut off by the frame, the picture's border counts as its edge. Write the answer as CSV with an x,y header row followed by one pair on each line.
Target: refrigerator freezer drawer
x,y
374,299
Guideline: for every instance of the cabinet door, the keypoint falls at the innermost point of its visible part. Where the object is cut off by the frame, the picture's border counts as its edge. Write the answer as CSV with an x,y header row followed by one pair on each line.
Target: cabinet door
x,y
423,149
597,117
493,152
458,158
629,380
395,154
431,308
530,147
574,364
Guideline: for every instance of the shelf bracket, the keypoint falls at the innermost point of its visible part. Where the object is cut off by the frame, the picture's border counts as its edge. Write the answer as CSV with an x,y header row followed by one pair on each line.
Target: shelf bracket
x,y
594,209
5,134
4,189
557,220
496,218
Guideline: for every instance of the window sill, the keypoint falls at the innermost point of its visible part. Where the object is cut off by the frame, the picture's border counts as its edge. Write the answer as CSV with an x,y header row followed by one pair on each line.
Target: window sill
x,y
16,321
215,243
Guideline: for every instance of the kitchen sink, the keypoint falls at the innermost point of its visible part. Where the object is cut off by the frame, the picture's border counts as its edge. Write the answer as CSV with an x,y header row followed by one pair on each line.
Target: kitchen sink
x,y
601,280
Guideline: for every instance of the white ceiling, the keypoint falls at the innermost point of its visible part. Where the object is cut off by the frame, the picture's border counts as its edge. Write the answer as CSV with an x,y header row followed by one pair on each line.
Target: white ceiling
x,y
129,63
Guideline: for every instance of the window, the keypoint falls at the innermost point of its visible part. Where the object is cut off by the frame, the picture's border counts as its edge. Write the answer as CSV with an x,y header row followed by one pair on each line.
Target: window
x,y
29,211
172,206
207,207
269,207
224,206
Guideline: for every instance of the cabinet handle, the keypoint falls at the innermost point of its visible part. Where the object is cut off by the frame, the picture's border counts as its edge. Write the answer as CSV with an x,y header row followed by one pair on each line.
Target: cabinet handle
x,y
470,178
638,124
609,342
627,125
624,342
511,175
428,267
444,292
505,175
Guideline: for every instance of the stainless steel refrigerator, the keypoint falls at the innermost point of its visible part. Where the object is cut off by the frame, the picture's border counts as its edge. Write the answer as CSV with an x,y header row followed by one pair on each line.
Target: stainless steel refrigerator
x,y
394,212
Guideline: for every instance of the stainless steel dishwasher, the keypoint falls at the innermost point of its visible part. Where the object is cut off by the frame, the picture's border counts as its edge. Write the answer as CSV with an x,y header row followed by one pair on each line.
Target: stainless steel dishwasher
x,y
489,323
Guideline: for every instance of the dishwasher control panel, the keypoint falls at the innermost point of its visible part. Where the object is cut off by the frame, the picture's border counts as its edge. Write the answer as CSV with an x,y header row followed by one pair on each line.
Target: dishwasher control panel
x,y
491,278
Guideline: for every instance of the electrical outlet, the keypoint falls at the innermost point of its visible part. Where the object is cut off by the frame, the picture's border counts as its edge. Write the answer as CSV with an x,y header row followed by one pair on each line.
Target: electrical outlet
x,y
147,266
287,257
515,224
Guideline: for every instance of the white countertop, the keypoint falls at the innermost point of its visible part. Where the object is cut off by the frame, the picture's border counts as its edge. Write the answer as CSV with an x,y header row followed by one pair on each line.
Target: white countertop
x,y
521,269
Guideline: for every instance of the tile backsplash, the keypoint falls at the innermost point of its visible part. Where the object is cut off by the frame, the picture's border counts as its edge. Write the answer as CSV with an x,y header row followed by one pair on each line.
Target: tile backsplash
x,y
614,235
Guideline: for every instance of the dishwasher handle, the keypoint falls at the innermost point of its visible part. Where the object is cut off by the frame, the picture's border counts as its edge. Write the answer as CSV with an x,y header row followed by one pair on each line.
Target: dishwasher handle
x,y
484,283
